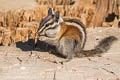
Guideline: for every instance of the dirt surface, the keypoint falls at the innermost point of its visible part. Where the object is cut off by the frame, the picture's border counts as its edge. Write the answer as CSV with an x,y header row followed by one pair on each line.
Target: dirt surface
x,y
16,4
20,62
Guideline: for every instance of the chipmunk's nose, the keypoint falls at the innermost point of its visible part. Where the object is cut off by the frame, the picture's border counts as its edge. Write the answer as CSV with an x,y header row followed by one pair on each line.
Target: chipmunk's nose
x,y
40,34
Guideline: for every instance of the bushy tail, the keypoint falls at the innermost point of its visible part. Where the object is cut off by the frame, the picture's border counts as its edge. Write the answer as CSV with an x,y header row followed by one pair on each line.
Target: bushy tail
x,y
102,47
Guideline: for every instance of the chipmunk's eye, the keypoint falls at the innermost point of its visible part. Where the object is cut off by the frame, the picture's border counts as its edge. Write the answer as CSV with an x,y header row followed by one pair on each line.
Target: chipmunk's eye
x,y
47,25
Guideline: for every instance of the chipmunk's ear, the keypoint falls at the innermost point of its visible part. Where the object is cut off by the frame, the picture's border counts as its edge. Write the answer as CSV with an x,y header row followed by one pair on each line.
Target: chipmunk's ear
x,y
50,11
58,18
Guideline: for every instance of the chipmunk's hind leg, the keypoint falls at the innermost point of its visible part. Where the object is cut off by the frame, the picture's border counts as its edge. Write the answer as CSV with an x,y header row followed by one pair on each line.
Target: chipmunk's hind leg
x,y
67,48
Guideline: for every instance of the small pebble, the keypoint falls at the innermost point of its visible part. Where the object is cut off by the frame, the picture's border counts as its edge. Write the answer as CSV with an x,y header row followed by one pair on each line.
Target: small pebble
x,y
97,38
22,68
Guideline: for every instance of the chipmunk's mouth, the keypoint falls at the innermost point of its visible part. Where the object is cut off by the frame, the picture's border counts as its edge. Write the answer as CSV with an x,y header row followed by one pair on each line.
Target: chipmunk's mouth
x,y
40,35
44,35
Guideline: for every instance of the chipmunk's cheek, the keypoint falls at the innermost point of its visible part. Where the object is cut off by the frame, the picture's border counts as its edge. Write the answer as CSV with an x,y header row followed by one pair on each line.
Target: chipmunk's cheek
x,y
51,34
42,38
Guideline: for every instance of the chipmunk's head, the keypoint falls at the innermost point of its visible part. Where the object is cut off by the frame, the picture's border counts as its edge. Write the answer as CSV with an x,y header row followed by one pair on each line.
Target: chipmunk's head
x,y
49,26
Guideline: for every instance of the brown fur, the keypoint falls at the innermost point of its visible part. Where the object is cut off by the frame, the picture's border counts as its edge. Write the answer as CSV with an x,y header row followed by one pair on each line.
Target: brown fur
x,y
68,48
69,31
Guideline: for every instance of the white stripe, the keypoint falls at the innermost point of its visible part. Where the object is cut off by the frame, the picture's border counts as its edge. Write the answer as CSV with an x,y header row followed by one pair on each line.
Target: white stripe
x,y
53,25
44,26
81,29
41,30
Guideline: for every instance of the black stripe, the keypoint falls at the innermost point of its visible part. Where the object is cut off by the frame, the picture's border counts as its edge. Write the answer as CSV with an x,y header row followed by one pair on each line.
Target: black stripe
x,y
44,21
48,25
53,27
81,25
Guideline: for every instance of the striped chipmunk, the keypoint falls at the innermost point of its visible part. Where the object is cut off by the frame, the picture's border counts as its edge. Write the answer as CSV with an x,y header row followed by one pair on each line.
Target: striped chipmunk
x,y
70,36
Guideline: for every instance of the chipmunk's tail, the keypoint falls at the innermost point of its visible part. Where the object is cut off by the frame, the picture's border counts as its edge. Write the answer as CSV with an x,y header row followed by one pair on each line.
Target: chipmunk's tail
x,y
102,47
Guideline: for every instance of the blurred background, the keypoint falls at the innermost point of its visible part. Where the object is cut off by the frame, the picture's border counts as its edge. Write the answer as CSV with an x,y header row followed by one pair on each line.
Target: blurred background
x,y
90,12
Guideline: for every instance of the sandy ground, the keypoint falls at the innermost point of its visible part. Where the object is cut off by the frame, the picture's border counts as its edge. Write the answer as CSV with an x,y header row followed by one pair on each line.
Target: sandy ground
x,y
16,4
21,63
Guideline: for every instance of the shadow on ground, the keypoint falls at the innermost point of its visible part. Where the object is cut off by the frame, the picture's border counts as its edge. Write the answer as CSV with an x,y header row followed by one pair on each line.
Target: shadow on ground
x,y
39,46
30,45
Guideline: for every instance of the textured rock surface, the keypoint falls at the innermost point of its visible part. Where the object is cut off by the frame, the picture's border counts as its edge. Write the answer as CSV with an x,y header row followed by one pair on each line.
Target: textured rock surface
x,y
22,63
19,20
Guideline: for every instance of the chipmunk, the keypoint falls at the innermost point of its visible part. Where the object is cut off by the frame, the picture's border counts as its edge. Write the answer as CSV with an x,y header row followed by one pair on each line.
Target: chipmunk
x,y
70,35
